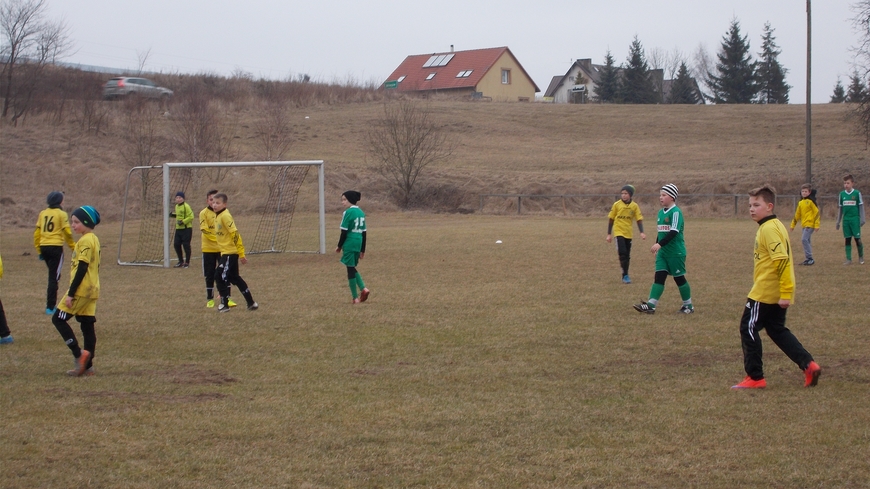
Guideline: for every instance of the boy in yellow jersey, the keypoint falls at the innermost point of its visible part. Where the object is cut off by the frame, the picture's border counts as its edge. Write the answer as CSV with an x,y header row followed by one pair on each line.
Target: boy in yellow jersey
x,y
771,295
232,253
619,225
211,253
84,290
807,214
52,231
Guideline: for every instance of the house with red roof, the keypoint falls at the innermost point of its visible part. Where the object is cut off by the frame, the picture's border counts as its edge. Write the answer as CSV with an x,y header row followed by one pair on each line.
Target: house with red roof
x,y
491,74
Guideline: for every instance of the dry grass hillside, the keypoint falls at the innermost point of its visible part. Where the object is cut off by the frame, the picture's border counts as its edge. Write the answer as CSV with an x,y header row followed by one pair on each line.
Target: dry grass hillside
x,y
501,148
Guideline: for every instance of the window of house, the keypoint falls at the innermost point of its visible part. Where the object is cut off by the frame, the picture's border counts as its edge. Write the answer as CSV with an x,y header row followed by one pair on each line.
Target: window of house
x,y
400,79
505,77
430,76
464,74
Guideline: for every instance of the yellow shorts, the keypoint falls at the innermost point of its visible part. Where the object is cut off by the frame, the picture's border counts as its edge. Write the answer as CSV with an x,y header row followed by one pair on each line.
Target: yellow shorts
x,y
81,306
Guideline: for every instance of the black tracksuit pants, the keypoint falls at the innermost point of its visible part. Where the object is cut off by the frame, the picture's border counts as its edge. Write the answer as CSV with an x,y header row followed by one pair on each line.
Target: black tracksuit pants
x,y
770,317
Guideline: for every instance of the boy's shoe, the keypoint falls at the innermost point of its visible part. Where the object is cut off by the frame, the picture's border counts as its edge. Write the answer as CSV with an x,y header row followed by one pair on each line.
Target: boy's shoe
x,y
253,307
179,265
812,373
861,260
805,262
231,303
210,303
626,279
49,310
186,265
355,302
847,262
687,309
748,383
810,262
89,372
644,308
81,364
6,340
364,295
223,308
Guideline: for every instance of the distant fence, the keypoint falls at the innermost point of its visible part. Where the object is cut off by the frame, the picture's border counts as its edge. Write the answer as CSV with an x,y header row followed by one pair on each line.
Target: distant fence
x,y
721,205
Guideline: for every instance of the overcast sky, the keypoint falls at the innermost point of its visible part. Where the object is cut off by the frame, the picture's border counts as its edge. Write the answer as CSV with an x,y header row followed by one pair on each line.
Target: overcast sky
x,y
364,41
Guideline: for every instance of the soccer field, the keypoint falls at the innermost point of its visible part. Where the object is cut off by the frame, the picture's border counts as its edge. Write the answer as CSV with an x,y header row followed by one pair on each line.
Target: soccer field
x,y
473,364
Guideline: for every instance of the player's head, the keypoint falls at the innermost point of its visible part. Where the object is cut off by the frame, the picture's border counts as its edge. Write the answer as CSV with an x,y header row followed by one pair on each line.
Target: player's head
x,y
219,201
848,182
54,199
86,216
627,193
761,202
179,197
806,189
209,195
668,195
351,196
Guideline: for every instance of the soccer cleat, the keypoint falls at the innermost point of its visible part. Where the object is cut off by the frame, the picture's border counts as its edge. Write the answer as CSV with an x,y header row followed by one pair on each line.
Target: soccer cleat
x,y
49,310
81,364
6,340
186,265
812,373
364,295
626,279
748,383
687,309
861,260
89,372
805,262
644,308
210,303
231,303
253,307
179,264
847,262
355,301
810,262
223,308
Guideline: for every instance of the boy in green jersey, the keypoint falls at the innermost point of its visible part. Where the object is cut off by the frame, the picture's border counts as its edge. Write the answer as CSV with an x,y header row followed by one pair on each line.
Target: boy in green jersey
x,y
52,231
670,251
771,294
621,214
852,215
352,244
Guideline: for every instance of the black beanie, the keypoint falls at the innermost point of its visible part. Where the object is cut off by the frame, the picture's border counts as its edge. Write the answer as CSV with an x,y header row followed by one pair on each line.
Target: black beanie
x,y
629,189
352,196
180,194
87,215
54,199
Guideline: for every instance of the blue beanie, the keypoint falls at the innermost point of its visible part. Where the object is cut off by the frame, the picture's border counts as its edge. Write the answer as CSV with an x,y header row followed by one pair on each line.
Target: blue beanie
x,y
87,215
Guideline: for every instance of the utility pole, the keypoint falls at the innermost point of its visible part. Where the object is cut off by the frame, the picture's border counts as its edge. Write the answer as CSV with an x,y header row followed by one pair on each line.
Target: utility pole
x,y
809,141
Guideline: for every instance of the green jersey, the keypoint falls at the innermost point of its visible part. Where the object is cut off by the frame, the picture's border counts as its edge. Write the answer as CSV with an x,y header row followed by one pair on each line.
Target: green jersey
x,y
354,222
671,220
850,205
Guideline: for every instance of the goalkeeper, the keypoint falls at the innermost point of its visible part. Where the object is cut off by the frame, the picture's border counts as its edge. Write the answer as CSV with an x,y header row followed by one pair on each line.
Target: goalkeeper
x,y
183,216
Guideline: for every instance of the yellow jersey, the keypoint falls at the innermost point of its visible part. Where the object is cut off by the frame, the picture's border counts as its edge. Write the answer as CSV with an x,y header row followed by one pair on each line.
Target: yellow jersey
x,y
622,215
52,229
87,250
228,238
207,227
773,276
807,213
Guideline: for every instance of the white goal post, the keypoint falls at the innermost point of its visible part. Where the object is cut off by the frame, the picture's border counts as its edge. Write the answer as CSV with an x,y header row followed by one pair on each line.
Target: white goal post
x,y
268,190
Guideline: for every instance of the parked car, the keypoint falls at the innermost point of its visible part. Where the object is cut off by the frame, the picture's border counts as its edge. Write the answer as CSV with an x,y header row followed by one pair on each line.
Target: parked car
x,y
123,86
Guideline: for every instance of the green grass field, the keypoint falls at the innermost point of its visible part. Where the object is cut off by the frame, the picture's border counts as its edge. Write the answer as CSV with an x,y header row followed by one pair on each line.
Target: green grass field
x,y
471,365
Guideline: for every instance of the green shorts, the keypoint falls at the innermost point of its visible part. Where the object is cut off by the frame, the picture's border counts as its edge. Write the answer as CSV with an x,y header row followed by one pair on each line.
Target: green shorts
x,y
675,265
852,228
350,258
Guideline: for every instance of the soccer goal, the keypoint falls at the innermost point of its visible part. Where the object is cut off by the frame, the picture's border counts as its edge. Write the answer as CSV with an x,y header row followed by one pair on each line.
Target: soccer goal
x,y
277,206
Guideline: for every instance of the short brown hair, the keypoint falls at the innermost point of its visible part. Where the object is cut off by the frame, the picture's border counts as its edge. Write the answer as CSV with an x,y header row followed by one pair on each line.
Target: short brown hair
x,y
211,192
807,186
849,177
766,192
221,196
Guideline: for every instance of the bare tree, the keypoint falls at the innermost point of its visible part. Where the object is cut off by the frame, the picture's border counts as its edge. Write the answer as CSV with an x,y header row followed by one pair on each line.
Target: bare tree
x,y
403,142
657,58
200,133
273,128
702,67
142,58
861,24
30,42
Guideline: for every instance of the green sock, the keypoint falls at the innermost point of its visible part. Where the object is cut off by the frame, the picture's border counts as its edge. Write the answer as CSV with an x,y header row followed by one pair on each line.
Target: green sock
x,y
849,253
352,284
655,293
686,294
359,281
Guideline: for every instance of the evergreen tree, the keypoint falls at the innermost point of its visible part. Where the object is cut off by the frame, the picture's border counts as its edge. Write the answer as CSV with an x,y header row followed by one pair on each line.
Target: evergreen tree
x,y
607,89
839,95
683,88
857,89
735,80
637,84
771,75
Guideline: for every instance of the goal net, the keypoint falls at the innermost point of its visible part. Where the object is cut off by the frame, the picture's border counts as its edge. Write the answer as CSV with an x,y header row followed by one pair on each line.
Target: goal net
x,y
278,207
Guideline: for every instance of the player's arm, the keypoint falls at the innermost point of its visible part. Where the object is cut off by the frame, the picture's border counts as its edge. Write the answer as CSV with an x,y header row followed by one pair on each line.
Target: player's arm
x,y
203,222
640,226
188,215
67,235
362,248
609,236
240,247
817,219
797,216
861,209
341,240
37,237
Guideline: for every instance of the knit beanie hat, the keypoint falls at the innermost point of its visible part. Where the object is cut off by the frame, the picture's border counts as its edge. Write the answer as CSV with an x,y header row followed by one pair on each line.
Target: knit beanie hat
x,y
54,199
180,194
671,190
352,196
87,215
629,189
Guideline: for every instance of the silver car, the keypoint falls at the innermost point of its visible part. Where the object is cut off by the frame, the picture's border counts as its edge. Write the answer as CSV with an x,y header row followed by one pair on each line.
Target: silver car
x,y
123,86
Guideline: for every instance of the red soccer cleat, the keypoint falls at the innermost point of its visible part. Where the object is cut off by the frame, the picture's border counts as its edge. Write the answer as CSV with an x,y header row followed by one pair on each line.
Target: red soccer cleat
x,y
364,295
748,383
812,373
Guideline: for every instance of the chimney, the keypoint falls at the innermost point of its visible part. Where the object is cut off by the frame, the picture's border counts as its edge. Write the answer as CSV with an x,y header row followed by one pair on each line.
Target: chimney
x,y
451,48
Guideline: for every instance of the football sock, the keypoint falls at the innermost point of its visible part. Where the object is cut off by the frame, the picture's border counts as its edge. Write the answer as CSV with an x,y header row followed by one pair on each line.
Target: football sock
x,y
861,250
849,253
686,293
247,295
352,284
209,293
359,281
655,293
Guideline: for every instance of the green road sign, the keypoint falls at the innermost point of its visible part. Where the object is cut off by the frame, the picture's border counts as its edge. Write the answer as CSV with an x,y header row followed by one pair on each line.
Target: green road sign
x,y
392,84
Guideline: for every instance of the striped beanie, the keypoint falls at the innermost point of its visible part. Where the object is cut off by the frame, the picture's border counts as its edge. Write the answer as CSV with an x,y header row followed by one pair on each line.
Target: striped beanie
x,y
671,190
87,215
